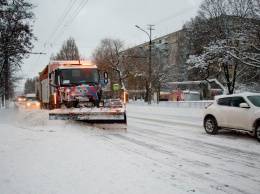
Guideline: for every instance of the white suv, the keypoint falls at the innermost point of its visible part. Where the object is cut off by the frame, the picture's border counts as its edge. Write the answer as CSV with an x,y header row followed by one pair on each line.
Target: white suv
x,y
239,112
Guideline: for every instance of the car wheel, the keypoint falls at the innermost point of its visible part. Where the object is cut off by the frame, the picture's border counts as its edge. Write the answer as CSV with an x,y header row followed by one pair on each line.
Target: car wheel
x,y
210,125
257,132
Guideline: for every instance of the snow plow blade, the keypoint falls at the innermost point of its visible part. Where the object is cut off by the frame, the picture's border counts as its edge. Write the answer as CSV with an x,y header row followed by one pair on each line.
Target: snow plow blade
x,y
104,118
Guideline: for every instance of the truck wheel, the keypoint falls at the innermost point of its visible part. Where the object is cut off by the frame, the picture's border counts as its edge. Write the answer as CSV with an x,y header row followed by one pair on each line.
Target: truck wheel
x,y
211,125
257,132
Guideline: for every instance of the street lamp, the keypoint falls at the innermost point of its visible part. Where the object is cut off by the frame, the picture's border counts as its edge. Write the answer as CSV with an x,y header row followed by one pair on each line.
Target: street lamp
x,y
150,63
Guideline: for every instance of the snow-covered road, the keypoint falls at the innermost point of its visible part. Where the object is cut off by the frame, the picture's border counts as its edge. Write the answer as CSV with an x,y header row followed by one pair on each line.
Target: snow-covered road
x,y
165,150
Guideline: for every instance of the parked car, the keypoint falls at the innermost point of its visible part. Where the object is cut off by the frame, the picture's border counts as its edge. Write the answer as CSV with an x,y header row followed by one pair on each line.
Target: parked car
x,y
31,102
113,103
240,112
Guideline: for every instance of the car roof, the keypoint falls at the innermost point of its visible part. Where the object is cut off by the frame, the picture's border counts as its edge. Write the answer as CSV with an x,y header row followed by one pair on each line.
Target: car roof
x,y
30,95
238,94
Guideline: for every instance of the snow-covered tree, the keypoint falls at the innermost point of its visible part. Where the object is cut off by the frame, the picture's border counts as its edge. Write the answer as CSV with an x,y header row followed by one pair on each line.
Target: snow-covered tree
x,y
15,40
228,31
163,66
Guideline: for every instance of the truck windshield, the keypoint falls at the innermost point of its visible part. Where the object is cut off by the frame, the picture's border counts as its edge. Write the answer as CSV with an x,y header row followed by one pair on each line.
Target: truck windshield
x,y
79,76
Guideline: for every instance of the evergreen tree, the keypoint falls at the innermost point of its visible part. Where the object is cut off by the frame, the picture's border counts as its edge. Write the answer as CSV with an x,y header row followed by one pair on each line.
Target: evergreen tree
x,y
68,51
29,86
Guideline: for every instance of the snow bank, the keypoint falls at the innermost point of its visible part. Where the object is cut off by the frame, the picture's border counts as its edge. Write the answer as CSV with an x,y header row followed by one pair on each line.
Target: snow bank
x,y
38,119
32,118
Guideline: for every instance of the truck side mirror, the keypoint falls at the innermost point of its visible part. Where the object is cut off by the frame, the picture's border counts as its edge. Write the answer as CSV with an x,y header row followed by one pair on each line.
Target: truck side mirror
x,y
105,77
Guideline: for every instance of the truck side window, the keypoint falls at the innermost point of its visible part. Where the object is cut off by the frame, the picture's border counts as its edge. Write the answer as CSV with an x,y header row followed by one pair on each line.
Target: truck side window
x,y
56,79
65,77
96,76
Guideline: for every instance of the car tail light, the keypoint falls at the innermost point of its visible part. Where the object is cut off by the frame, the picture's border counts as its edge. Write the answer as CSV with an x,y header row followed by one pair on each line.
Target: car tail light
x,y
208,105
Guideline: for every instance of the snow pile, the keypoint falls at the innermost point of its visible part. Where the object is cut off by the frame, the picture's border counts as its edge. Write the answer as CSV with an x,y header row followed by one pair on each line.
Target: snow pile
x,y
32,118
38,120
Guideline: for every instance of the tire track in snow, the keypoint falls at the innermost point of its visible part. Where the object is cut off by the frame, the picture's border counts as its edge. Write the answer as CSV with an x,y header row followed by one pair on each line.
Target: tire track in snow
x,y
161,141
177,165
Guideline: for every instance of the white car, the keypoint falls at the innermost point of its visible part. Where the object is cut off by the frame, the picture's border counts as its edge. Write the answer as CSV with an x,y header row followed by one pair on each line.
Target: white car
x,y
31,102
239,112
113,103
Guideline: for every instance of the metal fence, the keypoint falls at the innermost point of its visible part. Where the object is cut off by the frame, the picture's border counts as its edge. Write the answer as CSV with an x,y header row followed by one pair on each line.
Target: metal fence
x,y
174,104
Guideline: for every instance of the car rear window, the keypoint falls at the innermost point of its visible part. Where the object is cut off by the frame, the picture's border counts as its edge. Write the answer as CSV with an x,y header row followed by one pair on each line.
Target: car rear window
x,y
255,100
224,101
31,98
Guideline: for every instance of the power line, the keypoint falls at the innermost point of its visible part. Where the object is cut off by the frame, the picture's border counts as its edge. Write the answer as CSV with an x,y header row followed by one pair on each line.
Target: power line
x,y
66,24
164,20
80,7
76,12
174,15
63,16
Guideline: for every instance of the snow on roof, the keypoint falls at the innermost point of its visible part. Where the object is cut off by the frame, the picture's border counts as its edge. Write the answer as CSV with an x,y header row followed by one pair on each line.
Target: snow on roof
x,y
238,94
77,67
30,95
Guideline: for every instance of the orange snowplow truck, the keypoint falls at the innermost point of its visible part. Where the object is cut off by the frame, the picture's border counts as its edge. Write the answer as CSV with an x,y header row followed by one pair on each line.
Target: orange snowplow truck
x,y
72,90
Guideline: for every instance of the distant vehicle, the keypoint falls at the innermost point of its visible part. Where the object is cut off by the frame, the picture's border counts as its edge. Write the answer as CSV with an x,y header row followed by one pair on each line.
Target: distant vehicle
x,y
21,98
31,102
240,112
114,103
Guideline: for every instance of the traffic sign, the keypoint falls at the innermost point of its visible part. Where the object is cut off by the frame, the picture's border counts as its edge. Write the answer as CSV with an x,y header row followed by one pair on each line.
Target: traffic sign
x,y
115,86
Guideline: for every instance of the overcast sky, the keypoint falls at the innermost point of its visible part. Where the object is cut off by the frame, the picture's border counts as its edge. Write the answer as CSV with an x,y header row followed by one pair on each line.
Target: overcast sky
x,y
89,21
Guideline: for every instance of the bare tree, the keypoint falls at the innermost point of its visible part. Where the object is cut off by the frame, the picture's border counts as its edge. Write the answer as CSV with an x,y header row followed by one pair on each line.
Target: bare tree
x,y
108,57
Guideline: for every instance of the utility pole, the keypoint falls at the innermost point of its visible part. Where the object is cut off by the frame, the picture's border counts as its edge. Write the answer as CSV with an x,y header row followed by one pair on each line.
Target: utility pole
x,y
150,61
